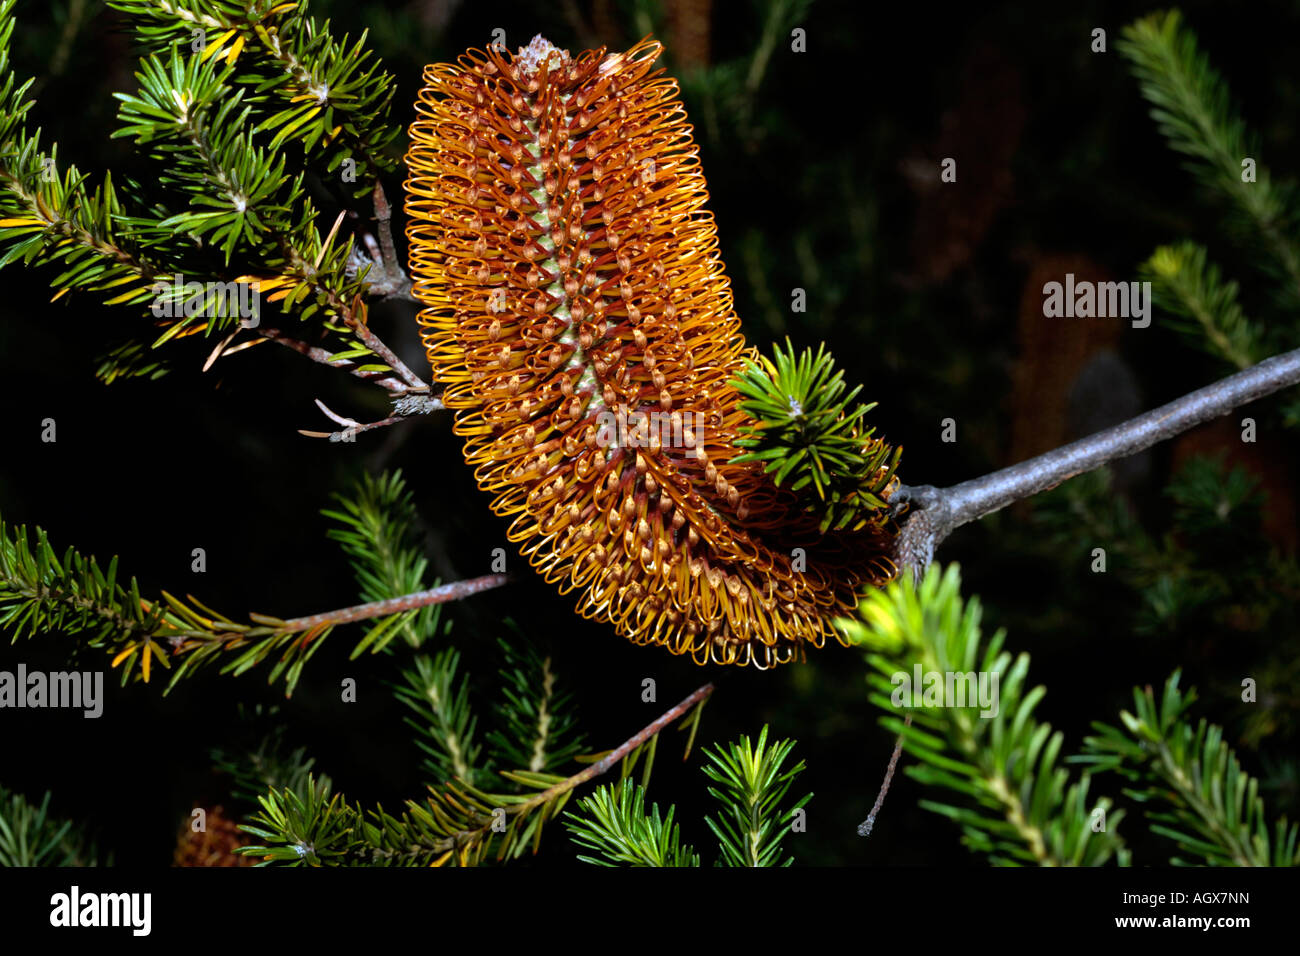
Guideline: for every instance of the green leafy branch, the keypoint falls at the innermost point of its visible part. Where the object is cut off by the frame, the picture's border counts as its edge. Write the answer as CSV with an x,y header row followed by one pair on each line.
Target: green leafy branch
x,y
537,726
1192,783
224,207
536,722
752,784
327,94
442,716
1016,803
53,218
458,824
41,592
810,436
612,821
31,836
1189,287
378,523
1191,105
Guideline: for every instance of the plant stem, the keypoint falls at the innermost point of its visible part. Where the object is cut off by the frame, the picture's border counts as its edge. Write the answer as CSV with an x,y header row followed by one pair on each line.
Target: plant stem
x,y
362,612
601,766
867,825
939,511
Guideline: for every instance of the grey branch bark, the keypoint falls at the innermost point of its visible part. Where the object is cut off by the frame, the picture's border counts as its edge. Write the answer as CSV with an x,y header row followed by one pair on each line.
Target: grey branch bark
x,y
936,512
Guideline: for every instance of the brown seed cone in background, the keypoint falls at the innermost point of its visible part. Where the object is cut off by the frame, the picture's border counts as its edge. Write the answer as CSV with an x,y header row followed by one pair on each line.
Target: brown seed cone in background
x,y
570,273
215,845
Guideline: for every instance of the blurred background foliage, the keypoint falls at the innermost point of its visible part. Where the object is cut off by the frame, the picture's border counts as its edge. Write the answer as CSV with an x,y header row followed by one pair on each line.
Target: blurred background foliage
x,y
822,169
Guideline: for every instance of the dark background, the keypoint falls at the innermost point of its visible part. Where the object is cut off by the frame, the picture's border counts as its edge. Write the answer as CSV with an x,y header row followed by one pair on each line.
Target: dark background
x,y
822,177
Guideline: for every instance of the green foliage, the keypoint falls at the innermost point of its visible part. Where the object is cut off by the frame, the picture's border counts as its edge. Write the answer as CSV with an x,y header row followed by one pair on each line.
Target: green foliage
x,y
30,836
1207,568
538,725
235,128
810,436
1191,105
1015,802
1192,783
378,534
299,821
458,823
1213,559
1005,768
443,716
130,360
267,764
478,808
1184,284
323,95
536,721
752,783
1216,503
302,828
52,218
197,126
41,592
465,826
612,821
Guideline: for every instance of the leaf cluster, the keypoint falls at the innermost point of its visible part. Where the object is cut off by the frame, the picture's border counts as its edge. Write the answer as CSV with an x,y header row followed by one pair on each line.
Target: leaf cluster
x,y
41,592
751,783
30,835
378,531
1192,107
246,111
1014,801
808,431
1193,786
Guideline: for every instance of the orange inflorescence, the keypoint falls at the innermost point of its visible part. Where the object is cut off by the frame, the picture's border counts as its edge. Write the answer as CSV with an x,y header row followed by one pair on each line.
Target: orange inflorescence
x,y
578,315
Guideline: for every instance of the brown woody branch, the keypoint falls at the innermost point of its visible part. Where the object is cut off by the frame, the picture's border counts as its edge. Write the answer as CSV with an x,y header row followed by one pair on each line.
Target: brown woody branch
x,y
455,591
937,512
603,765
386,278
323,356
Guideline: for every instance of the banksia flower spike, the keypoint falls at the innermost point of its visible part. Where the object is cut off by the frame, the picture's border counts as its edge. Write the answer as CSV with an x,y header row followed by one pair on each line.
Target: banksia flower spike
x,y
577,313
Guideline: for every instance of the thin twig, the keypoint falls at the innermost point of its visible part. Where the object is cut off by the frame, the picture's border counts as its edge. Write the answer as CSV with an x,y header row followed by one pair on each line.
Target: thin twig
x,y
385,278
462,839
938,511
356,428
614,756
334,417
865,827
324,357
405,408
650,729
353,314
373,342
384,217
407,402
407,602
